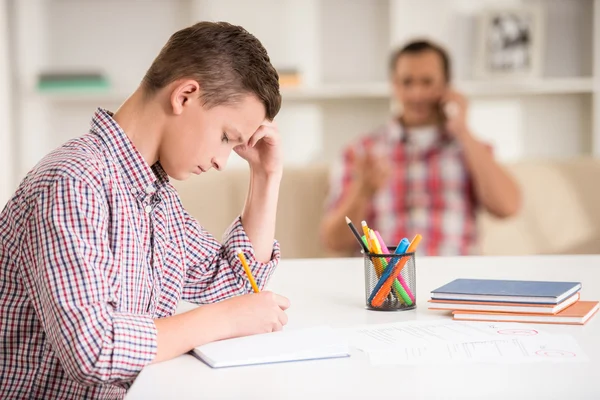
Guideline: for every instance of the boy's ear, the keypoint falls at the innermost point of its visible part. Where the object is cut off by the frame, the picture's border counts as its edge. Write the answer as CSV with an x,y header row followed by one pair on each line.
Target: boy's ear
x,y
184,92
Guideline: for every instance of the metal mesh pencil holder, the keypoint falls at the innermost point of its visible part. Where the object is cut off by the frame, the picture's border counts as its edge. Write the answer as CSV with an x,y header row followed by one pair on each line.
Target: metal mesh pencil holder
x,y
390,290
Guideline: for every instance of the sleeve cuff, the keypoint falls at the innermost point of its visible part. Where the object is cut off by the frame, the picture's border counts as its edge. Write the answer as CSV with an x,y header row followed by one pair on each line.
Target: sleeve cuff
x,y
236,238
135,342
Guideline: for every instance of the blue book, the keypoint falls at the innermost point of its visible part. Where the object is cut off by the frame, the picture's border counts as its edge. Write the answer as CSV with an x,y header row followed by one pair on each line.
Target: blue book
x,y
534,292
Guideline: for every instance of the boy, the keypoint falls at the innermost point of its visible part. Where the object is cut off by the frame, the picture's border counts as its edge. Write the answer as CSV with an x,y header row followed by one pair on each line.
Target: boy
x,y
95,247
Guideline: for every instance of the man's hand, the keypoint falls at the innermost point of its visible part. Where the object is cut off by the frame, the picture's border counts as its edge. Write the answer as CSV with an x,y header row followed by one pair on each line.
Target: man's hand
x,y
455,107
254,313
263,151
494,188
372,172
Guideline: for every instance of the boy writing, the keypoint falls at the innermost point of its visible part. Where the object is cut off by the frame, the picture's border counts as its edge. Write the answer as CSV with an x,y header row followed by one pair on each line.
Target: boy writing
x,y
95,247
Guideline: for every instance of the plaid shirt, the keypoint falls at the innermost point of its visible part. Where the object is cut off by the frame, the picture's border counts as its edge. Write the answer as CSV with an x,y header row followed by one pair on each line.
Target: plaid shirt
x,y
429,192
94,245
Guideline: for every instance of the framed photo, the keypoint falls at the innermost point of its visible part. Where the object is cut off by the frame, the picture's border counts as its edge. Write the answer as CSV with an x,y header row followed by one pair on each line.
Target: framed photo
x,y
510,43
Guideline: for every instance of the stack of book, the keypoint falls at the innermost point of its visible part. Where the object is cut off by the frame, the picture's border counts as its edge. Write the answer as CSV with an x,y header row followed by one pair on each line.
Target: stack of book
x,y
289,77
514,301
72,81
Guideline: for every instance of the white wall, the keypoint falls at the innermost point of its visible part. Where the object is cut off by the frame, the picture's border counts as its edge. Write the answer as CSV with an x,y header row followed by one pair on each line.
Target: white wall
x,y
332,42
6,145
30,38
539,126
289,30
108,35
567,31
524,128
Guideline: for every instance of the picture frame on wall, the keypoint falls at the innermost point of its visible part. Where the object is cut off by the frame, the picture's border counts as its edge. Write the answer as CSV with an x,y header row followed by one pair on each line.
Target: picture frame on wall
x,y
511,43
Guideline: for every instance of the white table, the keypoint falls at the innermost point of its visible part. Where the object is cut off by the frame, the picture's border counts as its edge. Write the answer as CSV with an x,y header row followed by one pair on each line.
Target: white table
x,y
316,300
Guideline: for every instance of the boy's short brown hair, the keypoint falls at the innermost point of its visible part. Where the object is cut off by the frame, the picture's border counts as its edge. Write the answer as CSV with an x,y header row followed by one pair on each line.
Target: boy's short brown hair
x,y
226,61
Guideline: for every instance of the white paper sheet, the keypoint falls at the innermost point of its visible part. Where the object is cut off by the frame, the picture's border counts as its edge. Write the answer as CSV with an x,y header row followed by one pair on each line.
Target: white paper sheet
x,y
419,333
443,341
509,351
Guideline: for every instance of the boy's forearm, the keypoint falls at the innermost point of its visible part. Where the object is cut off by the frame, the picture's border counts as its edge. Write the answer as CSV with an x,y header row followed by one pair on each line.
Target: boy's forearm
x,y
260,212
182,332
494,187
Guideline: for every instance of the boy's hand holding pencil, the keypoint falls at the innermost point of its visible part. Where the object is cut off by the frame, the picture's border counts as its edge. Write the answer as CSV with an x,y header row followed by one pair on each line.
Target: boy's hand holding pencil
x,y
251,314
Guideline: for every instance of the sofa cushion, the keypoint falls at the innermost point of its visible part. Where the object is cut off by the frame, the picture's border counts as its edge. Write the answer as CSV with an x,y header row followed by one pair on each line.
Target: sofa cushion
x,y
216,198
560,211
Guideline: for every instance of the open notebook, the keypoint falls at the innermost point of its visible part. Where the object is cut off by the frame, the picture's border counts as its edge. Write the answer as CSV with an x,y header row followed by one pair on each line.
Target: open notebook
x,y
287,345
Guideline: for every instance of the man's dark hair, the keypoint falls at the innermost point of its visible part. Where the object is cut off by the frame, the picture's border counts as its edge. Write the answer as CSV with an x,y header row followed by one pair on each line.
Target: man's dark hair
x,y
226,60
420,46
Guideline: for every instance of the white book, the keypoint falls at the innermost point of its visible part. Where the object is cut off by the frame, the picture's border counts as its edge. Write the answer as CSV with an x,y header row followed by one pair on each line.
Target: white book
x,y
283,346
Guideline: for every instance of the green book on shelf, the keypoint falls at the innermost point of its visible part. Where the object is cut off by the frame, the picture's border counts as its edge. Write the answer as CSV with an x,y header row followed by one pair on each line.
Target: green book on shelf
x,y
69,81
73,85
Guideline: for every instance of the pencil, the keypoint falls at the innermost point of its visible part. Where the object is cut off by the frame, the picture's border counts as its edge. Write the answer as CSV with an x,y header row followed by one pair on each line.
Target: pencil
x,y
377,261
365,229
357,235
242,258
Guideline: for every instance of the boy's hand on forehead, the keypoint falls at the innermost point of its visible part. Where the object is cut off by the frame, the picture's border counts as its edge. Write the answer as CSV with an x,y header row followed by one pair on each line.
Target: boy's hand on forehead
x,y
263,151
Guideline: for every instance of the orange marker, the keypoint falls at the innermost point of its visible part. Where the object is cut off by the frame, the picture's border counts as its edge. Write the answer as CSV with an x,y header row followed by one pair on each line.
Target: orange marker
x,y
387,285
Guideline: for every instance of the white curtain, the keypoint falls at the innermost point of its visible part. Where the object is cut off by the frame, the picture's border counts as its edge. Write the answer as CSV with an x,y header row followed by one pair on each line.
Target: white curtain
x,y
6,134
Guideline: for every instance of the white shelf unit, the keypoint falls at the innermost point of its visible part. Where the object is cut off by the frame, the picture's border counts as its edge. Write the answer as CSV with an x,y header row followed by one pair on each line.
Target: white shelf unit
x,y
341,47
372,90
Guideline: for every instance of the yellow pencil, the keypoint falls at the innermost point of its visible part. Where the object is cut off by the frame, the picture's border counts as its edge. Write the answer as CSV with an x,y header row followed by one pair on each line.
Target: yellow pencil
x,y
376,260
365,229
378,248
242,258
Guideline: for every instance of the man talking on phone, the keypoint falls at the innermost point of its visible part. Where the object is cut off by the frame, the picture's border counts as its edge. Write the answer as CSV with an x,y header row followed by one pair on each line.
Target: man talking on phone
x,y
423,171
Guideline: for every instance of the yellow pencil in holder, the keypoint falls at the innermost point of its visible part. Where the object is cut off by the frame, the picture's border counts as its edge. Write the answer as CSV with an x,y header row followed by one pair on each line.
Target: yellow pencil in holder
x,y
365,229
373,248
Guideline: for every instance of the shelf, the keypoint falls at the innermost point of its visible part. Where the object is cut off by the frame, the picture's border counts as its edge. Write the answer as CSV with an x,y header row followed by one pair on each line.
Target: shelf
x,y
525,87
469,88
375,90
104,97
325,92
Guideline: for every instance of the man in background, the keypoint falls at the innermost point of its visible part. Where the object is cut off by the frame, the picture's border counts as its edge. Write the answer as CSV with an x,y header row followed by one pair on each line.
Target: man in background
x,y
421,172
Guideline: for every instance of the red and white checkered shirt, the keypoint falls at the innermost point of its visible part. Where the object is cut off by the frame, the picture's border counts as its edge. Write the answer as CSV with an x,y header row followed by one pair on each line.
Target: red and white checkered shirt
x,y
94,245
429,192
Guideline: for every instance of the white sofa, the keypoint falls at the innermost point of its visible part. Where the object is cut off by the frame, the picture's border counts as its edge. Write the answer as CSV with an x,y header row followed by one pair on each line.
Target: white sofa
x,y
560,213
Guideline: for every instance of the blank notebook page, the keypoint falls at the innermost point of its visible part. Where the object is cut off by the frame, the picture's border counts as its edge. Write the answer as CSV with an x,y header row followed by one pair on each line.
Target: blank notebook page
x,y
287,345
